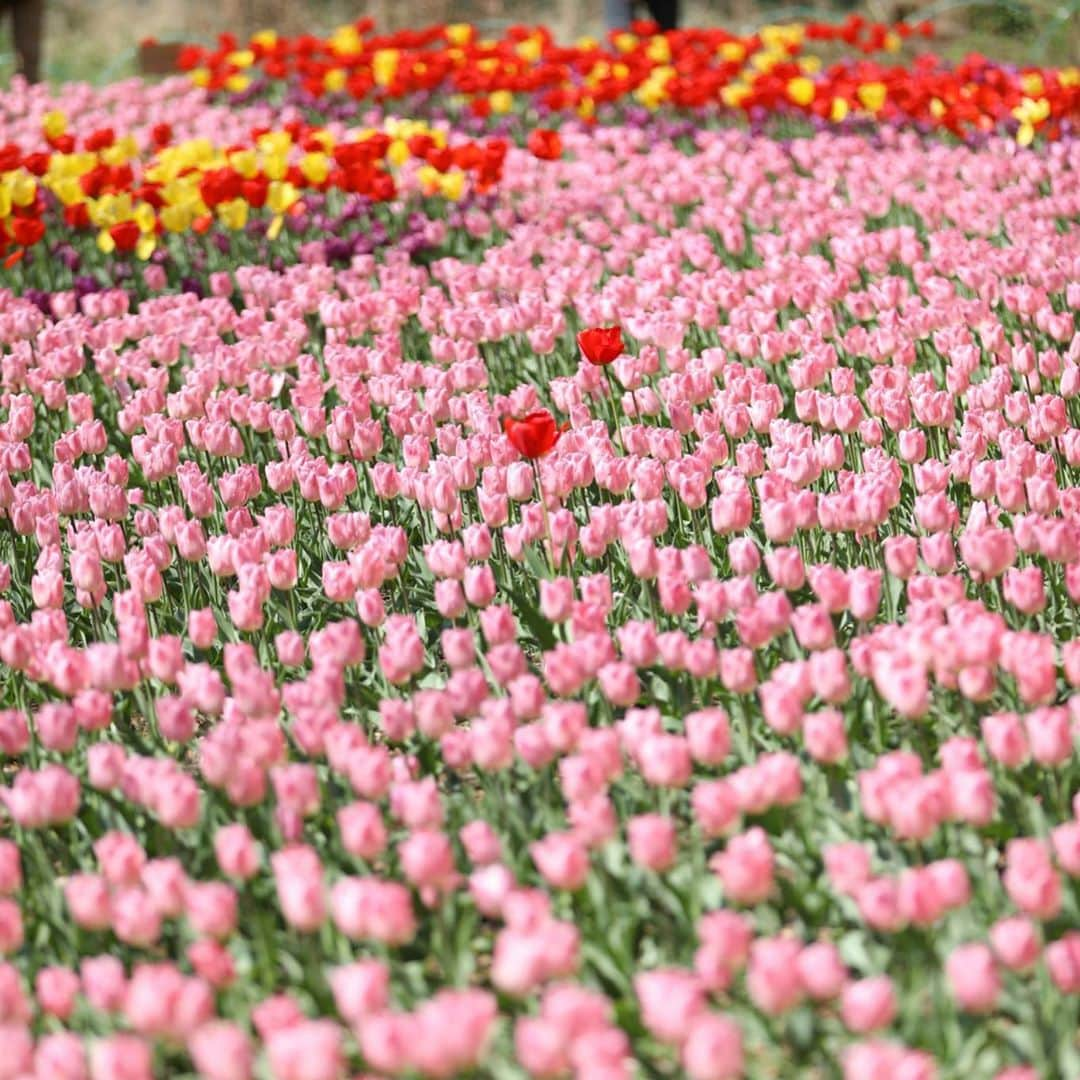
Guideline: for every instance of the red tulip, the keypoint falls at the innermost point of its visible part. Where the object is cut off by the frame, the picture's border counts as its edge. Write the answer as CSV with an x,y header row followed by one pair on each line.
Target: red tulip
x,y
27,231
125,235
545,144
534,435
601,344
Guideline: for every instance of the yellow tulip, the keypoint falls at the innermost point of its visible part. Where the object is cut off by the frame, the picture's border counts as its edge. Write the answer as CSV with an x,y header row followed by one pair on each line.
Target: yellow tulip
x,y
181,190
346,40
502,101
384,66
649,95
274,142
1032,112
280,196
781,36
67,190
530,50
275,166
69,165
233,213
1032,84
23,188
178,218
872,96
245,162
734,94
428,176
801,90
54,124
658,50
334,80
765,60
458,33
145,217
315,167
115,154
838,110
452,184
109,210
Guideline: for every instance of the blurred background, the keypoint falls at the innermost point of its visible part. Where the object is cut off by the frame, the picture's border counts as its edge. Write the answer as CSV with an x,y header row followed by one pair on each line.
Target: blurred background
x,y
97,40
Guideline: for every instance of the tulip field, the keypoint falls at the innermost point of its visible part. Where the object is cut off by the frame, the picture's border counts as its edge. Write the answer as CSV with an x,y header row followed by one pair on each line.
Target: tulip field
x,y
525,560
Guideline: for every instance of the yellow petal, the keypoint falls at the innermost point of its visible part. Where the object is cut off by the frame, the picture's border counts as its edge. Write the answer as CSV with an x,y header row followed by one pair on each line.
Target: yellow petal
x,y
872,96
458,33
801,90
315,167
54,123
453,184
530,49
659,51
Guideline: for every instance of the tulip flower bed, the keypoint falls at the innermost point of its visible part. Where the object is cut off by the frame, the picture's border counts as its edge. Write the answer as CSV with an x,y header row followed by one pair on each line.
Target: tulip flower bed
x,y
455,70
592,599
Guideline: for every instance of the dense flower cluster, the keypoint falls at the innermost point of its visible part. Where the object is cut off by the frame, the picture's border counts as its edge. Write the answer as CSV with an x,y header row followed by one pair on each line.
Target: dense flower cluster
x,y
621,624
101,182
763,73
